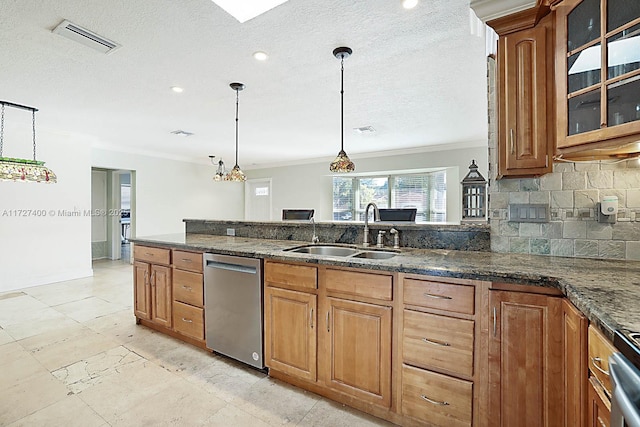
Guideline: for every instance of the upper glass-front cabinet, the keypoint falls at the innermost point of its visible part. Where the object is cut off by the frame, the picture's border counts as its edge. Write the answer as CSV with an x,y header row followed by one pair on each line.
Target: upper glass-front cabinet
x,y
598,52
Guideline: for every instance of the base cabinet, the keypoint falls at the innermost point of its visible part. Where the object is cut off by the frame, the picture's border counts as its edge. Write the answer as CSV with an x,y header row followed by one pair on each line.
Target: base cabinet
x,y
525,359
152,293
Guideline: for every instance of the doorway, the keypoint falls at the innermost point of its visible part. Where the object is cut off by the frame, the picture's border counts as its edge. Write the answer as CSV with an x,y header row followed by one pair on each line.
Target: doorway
x,y
113,213
257,200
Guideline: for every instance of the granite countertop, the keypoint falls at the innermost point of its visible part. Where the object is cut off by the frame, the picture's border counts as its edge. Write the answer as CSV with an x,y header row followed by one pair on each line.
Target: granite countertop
x,y
606,291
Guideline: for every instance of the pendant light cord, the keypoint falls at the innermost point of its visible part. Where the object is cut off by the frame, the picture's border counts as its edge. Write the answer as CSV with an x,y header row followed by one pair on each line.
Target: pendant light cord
x,y
342,104
33,124
237,102
2,131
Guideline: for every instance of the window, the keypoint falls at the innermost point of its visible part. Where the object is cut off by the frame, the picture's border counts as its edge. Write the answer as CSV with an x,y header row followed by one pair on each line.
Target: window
x,y
425,192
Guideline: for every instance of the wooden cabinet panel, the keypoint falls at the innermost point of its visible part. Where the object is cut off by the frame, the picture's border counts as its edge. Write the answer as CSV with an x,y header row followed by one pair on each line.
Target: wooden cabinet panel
x,y
188,320
438,342
442,296
599,409
191,261
574,353
525,357
141,290
600,348
288,275
152,255
379,286
161,295
357,350
188,287
290,332
436,399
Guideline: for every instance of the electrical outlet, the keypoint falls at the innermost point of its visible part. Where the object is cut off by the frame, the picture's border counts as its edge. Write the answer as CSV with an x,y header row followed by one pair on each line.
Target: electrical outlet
x,y
231,231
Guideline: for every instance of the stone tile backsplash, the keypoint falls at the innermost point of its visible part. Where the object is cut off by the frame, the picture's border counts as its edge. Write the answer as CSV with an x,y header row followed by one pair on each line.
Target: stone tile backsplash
x,y
572,191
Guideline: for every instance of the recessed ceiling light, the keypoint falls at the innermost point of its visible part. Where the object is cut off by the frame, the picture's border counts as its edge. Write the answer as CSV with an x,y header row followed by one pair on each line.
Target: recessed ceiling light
x,y
247,9
260,56
409,4
177,89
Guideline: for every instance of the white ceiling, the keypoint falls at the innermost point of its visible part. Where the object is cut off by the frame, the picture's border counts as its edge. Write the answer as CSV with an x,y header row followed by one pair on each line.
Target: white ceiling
x,y
417,76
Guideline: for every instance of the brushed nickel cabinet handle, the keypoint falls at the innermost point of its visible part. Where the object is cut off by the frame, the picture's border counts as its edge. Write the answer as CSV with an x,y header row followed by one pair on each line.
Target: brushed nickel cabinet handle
x,y
311,318
436,296
435,402
188,288
146,278
495,321
513,148
187,320
595,361
186,260
149,254
602,424
439,343
153,278
328,330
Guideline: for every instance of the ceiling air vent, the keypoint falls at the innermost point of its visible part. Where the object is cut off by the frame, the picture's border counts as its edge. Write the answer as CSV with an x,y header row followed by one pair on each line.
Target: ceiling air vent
x,y
88,38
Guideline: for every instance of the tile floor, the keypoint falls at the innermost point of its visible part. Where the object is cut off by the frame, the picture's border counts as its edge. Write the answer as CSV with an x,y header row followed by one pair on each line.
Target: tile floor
x,y
72,355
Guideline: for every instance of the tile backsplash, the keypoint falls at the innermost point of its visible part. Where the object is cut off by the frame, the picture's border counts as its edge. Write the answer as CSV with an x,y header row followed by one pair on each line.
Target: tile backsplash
x,y
571,191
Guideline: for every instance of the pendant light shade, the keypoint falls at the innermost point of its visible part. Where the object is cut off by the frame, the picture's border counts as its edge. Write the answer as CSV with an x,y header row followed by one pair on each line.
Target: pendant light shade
x,y
236,173
22,169
342,163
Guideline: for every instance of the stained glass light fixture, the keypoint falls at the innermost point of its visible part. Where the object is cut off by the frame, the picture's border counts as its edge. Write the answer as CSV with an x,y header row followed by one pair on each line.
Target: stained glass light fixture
x,y
24,170
342,163
474,195
236,173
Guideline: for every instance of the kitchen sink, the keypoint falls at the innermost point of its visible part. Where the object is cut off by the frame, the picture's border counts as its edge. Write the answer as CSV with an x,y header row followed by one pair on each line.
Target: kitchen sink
x,y
375,255
325,250
341,251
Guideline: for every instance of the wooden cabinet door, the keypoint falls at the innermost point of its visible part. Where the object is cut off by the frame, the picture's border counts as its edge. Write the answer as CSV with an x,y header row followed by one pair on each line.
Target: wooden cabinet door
x,y
576,371
357,350
599,407
525,360
524,109
290,332
161,295
141,290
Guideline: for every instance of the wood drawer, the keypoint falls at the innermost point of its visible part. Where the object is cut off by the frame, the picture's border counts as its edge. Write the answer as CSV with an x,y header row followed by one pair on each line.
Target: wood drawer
x,y
355,283
152,255
289,275
600,348
438,342
188,320
188,287
599,409
187,261
441,296
436,399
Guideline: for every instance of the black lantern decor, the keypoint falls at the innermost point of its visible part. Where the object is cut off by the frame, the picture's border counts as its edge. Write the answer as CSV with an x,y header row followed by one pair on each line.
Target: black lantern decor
x,y
474,195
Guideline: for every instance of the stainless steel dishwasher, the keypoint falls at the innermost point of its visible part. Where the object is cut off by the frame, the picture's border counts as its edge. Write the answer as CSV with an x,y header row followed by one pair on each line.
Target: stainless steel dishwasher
x,y
233,307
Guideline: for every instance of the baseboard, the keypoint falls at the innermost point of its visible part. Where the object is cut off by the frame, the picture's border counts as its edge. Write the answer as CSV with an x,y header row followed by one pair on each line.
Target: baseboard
x,y
28,282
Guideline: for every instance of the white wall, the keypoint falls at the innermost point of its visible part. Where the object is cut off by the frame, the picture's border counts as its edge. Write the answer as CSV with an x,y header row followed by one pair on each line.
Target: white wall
x,y
98,204
310,185
167,191
52,246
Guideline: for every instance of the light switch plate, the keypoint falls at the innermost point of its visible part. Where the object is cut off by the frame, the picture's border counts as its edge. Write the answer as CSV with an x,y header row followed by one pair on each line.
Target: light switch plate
x,y
529,213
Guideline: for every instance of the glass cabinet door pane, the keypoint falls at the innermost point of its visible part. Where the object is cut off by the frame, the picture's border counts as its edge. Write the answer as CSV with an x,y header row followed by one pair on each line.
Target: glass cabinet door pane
x,y
623,51
623,103
619,12
583,24
584,69
584,112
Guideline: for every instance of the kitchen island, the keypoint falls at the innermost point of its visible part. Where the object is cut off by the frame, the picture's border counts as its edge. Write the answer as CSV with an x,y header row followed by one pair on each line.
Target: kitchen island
x,y
441,337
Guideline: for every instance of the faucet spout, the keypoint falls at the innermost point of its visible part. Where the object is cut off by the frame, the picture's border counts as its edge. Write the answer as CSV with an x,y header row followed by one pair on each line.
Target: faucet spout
x,y
376,214
314,238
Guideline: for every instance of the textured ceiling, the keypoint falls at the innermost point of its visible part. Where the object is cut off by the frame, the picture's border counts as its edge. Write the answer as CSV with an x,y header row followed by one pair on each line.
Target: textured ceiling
x,y
417,76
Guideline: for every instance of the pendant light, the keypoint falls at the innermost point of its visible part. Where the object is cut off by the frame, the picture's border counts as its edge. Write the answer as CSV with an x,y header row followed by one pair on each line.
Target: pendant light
x,y
22,169
342,163
236,173
219,176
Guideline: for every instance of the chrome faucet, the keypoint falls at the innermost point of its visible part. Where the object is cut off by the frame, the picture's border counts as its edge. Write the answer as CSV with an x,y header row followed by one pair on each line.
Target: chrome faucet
x,y
396,238
315,238
376,214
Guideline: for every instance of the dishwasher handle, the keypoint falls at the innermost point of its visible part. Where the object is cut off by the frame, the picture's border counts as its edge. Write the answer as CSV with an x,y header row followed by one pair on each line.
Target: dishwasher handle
x,y
238,268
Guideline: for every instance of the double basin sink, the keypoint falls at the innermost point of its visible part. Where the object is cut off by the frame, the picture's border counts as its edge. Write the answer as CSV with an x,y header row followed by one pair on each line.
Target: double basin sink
x,y
342,251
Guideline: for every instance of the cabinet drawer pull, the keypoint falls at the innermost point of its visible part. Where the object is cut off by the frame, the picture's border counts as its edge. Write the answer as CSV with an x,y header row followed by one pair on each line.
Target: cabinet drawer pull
x,y
513,148
602,424
149,254
187,320
188,288
595,361
186,260
311,318
435,402
439,343
436,296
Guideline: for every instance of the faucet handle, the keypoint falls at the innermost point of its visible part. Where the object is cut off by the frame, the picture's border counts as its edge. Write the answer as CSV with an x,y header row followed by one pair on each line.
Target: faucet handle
x,y
381,234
